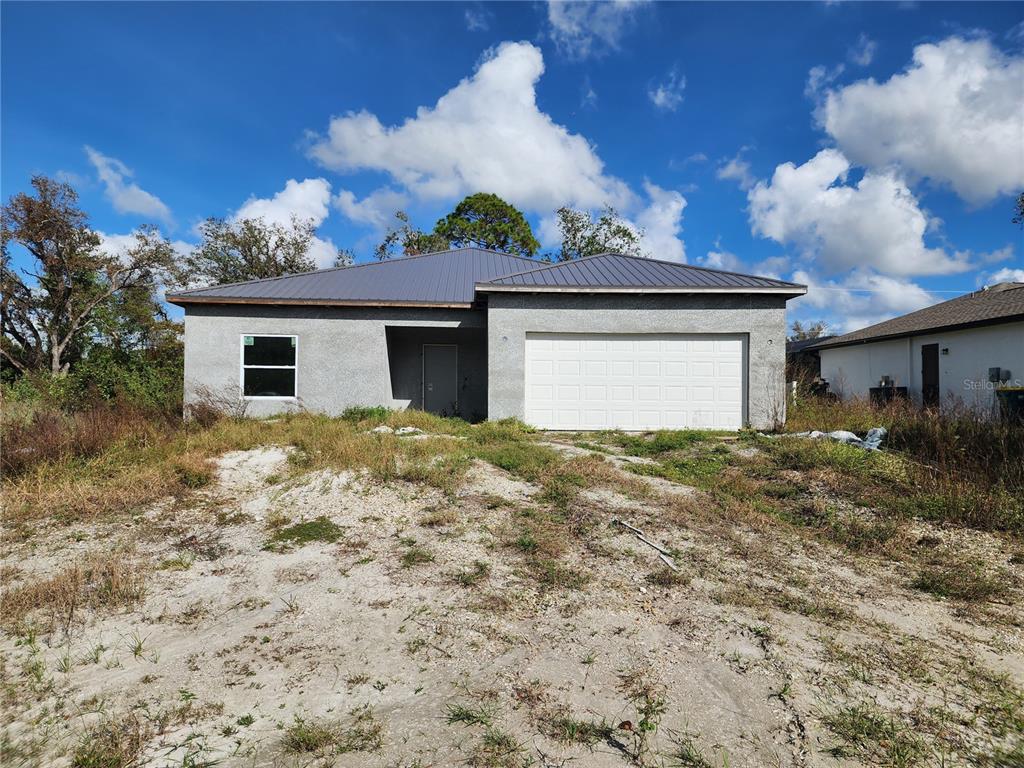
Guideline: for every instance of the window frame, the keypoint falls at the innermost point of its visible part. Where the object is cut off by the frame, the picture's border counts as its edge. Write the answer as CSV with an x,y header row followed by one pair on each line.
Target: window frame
x,y
242,366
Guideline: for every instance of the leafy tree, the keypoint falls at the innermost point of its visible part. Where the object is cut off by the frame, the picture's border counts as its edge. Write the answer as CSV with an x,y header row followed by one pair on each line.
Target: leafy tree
x,y
409,239
249,249
1018,211
345,258
485,220
815,330
47,322
583,235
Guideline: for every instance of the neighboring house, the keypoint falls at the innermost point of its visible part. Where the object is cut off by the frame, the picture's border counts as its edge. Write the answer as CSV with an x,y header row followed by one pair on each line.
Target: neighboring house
x,y
604,342
959,350
803,363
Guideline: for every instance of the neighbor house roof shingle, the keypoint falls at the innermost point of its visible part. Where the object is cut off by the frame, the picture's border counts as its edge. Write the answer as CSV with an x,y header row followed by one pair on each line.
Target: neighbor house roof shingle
x,y
1000,303
452,278
613,271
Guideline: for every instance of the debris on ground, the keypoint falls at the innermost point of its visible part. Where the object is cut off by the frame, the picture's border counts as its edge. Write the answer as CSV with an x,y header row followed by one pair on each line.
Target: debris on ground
x,y
384,429
872,441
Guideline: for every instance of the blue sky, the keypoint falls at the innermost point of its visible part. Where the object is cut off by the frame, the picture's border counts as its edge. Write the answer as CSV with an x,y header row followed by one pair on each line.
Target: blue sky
x,y
903,125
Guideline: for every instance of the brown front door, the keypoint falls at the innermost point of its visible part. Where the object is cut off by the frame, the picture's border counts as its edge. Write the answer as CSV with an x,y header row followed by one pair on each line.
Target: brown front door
x,y
930,375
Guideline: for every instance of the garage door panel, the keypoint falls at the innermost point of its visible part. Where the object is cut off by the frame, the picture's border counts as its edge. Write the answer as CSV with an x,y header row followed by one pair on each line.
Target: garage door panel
x,y
621,367
542,367
635,381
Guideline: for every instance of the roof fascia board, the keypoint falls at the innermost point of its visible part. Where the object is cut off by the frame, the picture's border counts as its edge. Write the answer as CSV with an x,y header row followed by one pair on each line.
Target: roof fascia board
x,y
185,300
491,288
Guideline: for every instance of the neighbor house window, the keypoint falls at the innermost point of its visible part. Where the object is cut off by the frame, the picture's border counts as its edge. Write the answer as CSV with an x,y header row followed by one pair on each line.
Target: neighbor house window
x,y
268,366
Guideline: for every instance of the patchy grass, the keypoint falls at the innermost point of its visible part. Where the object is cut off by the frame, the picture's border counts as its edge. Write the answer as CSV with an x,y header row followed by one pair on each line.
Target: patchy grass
x,y
666,577
497,749
966,580
572,730
656,443
525,459
98,581
305,736
482,713
363,732
470,577
415,555
322,529
114,742
868,733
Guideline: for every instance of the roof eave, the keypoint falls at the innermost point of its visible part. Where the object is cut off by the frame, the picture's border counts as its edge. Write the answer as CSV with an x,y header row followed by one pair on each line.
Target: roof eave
x,y
796,290
186,300
923,332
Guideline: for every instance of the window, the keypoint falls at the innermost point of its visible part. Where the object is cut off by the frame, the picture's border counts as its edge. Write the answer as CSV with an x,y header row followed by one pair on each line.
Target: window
x,y
268,366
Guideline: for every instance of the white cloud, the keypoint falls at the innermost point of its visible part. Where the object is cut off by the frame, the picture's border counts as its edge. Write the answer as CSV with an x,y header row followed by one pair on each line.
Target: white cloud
x,y
588,96
125,195
863,298
662,222
737,169
306,199
956,116
1006,275
668,94
875,223
477,20
486,133
722,259
773,266
863,53
819,77
590,27
376,209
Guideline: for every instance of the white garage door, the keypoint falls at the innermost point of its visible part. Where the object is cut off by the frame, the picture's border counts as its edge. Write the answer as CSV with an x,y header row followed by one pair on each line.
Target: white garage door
x,y
634,381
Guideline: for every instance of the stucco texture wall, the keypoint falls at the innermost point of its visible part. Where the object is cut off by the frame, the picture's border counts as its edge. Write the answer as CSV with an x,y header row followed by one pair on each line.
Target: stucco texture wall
x,y
963,368
342,353
510,316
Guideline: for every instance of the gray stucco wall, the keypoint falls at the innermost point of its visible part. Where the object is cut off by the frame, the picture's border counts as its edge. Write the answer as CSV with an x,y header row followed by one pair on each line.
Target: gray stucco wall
x,y
342,355
510,316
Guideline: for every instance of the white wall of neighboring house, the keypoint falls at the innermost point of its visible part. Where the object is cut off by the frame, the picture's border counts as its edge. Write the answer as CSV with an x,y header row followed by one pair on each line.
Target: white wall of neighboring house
x,y
963,371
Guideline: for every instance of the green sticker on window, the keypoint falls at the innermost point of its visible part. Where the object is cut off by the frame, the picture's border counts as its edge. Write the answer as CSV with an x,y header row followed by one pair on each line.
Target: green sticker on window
x,y
293,341
249,341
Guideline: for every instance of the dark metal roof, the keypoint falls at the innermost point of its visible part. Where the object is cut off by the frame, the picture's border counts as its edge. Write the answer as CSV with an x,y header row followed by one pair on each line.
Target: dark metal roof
x,y
445,278
451,279
615,272
1001,303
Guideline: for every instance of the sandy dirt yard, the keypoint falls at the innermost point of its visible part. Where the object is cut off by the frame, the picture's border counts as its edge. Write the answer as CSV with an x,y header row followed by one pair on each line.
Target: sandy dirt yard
x,y
275,618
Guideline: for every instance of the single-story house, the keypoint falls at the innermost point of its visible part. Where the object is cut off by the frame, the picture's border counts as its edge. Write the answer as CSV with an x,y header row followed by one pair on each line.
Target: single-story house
x,y
957,351
608,341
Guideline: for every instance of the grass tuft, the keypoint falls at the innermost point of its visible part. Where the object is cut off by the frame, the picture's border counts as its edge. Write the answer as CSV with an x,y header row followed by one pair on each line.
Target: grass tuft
x,y
104,580
321,529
